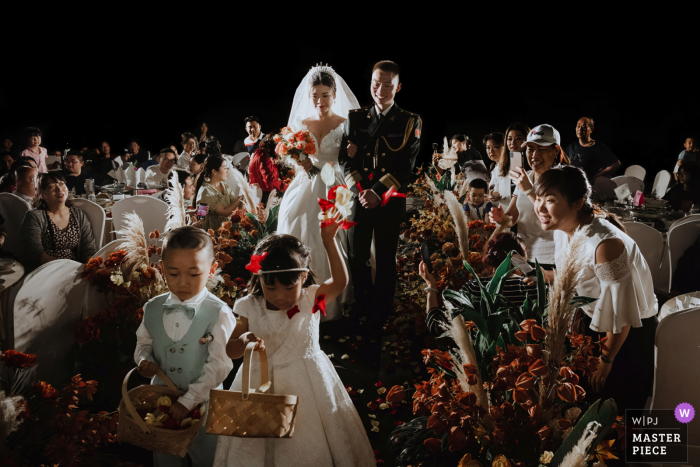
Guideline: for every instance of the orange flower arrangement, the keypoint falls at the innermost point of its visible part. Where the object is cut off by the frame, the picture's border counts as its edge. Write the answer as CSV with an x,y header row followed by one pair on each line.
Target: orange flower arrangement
x,y
14,359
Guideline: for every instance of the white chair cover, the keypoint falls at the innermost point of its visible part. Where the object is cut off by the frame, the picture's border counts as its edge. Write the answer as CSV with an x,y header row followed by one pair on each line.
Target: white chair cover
x,y
96,215
13,208
633,183
661,181
604,188
241,160
232,183
685,220
52,160
680,237
678,344
636,171
653,247
109,248
152,211
48,306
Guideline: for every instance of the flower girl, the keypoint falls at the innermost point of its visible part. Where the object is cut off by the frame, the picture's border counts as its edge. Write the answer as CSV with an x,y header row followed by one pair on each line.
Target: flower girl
x,y
284,308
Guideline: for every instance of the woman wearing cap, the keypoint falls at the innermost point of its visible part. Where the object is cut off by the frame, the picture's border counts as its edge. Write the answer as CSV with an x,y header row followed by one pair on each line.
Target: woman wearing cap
x,y
543,152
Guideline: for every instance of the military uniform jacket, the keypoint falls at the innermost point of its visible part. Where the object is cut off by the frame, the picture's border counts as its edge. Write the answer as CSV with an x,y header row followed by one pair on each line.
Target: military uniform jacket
x,y
386,149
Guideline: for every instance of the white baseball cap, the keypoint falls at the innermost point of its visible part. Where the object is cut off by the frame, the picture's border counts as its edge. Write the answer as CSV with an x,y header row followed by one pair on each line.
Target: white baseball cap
x,y
544,135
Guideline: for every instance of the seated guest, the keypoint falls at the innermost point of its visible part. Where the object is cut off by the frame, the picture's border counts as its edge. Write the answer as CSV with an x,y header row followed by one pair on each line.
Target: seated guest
x,y
466,156
687,191
263,170
6,160
252,126
157,175
6,144
34,149
136,154
689,154
202,147
189,146
195,169
216,194
26,183
593,157
187,183
9,183
75,178
239,145
478,208
55,229
104,163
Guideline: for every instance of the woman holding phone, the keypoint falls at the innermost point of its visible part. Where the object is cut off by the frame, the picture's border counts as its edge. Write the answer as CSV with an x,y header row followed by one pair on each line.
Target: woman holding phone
x,y
543,152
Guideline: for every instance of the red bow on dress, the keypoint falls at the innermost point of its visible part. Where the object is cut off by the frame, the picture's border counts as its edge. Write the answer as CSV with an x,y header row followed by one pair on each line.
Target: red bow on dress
x,y
254,265
392,193
320,304
292,311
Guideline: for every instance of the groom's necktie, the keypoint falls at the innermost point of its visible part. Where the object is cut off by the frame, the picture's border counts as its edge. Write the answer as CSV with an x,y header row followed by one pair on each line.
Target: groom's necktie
x,y
188,310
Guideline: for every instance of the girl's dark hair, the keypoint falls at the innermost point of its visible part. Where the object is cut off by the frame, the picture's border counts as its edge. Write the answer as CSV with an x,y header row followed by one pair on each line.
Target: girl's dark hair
x,y
496,249
692,169
200,158
213,162
283,252
44,182
31,131
505,154
495,136
323,78
572,183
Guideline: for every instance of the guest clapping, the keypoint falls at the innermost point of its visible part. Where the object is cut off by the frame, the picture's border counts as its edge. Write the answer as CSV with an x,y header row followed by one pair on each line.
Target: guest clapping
x,y
216,194
593,157
26,183
157,175
543,153
34,149
687,192
55,229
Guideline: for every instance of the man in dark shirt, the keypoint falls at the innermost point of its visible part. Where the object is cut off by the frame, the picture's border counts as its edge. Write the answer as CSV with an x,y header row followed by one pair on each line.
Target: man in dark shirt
x,y
75,178
594,158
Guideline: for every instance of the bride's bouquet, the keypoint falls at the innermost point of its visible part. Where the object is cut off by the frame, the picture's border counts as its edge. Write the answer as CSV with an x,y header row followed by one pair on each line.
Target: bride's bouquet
x,y
296,147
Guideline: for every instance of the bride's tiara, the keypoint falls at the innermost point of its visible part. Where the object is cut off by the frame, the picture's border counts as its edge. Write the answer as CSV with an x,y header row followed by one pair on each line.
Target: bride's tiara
x,y
325,68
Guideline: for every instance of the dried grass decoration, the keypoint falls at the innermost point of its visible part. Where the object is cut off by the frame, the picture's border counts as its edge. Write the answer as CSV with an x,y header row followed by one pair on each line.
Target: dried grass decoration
x,y
250,413
133,429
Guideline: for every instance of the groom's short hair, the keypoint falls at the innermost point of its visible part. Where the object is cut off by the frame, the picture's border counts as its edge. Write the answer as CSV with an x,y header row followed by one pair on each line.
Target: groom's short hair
x,y
252,119
387,66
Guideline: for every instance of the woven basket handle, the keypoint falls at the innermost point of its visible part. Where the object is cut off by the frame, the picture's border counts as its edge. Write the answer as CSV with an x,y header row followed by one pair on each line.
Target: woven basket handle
x,y
247,361
130,406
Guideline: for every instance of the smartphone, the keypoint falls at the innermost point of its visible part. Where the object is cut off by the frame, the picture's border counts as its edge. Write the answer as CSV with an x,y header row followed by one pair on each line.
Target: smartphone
x,y
202,210
516,160
521,265
425,252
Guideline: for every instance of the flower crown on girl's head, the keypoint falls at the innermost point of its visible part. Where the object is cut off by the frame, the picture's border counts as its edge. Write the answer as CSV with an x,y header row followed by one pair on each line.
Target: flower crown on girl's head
x,y
255,267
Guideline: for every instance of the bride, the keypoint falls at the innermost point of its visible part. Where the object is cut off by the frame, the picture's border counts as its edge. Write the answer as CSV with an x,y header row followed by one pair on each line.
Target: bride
x,y
321,105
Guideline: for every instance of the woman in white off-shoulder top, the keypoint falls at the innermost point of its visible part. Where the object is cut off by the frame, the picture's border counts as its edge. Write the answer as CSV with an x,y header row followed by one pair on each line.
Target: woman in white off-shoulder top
x,y
615,273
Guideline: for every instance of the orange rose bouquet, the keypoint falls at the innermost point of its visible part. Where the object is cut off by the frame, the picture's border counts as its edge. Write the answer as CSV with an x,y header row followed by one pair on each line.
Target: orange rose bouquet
x,y
294,147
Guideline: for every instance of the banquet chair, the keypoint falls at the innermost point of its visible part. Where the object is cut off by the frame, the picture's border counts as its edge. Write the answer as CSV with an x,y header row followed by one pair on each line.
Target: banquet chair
x,y
109,248
680,237
152,211
241,160
96,215
633,183
661,181
604,188
50,160
653,247
684,220
13,208
47,308
636,171
675,380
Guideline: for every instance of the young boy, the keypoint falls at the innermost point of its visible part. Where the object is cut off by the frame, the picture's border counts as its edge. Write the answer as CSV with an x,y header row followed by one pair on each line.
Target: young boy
x,y
689,154
477,208
173,324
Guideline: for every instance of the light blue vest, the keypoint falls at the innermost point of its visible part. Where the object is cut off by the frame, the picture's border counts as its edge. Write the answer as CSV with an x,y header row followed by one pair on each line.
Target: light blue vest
x,y
181,361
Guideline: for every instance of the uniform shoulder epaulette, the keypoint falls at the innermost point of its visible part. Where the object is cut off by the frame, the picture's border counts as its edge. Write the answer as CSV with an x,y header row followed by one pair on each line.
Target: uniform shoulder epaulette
x,y
411,114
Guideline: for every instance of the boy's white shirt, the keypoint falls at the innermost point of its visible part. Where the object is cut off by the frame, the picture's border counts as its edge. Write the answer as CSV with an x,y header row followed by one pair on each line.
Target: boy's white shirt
x,y
218,364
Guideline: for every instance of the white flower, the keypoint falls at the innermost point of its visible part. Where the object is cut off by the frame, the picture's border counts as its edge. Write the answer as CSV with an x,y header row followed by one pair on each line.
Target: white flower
x,y
360,391
372,416
345,357
117,279
381,390
383,406
327,215
343,201
328,174
330,355
546,458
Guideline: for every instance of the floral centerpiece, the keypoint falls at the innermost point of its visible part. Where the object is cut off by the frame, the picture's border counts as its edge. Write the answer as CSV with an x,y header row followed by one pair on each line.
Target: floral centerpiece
x,y
295,147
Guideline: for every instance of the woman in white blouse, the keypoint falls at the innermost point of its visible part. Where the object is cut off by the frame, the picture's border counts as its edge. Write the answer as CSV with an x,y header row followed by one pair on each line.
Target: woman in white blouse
x,y
616,274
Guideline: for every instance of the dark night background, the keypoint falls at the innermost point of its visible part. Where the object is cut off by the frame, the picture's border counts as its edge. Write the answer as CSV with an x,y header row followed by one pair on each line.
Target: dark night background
x,y
80,86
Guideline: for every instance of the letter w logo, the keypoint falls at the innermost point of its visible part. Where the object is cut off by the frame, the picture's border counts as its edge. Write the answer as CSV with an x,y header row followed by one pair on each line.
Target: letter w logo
x,y
684,413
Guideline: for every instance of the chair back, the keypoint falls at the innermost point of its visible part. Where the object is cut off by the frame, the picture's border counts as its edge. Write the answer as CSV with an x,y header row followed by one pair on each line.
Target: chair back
x,y
636,171
680,237
677,344
661,181
96,215
633,183
604,188
152,211
13,208
653,247
685,220
109,248
241,160
47,308
52,160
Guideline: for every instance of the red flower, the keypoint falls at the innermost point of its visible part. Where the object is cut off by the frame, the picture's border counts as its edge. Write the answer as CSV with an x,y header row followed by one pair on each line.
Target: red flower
x,y
293,311
391,193
254,265
86,331
15,359
320,304
433,444
396,394
235,218
45,390
331,192
325,204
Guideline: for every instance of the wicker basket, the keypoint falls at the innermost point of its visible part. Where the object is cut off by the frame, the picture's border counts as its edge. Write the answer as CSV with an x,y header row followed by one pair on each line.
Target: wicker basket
x,y
133,430
249,414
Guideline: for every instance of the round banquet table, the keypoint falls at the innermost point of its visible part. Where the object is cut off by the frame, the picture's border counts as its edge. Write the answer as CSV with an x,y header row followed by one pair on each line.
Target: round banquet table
x,y
667,308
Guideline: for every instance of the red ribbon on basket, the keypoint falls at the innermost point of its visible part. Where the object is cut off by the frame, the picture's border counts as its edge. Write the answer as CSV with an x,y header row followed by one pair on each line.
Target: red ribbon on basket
x,y
391,193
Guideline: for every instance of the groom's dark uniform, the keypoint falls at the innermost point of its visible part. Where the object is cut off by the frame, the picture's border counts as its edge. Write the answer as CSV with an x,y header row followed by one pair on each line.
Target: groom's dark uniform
x,y
387,146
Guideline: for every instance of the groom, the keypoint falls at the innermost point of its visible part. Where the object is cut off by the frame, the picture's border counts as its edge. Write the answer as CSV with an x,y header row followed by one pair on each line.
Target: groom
x,y
378,152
